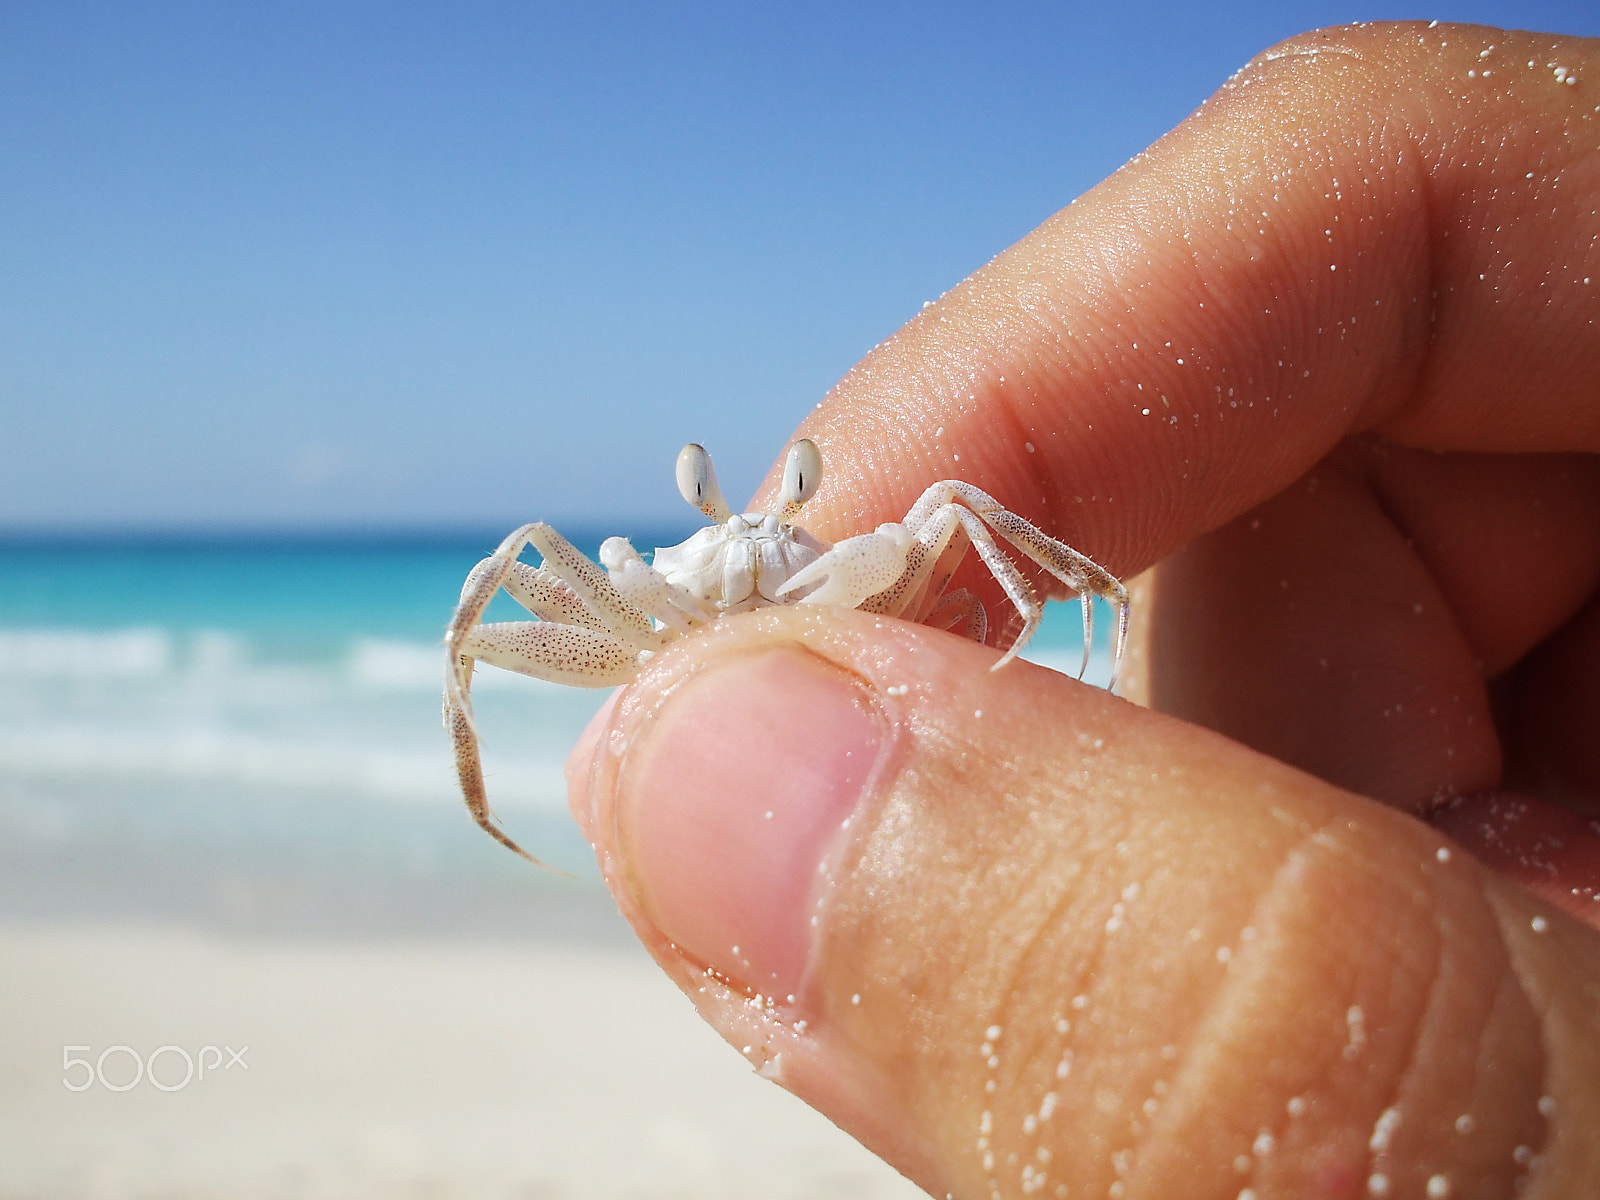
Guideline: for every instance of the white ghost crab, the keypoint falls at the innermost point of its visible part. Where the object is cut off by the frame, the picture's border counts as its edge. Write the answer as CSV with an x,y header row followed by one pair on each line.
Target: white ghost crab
x,y
595,627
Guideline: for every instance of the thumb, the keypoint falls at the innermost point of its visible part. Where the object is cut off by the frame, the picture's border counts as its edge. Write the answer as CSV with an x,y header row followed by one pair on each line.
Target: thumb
x,y
1020,937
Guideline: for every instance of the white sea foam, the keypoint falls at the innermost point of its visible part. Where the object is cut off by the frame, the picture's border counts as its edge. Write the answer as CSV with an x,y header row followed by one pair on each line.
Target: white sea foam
x,y
381,664
221,758
417,667
143,707
84,654
396,666
91,711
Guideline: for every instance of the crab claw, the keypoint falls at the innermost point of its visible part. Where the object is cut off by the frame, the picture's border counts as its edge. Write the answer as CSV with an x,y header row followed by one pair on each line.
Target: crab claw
x,y
854,569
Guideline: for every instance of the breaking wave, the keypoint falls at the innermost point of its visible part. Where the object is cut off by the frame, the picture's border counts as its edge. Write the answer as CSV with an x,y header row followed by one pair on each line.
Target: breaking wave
x,y
139,706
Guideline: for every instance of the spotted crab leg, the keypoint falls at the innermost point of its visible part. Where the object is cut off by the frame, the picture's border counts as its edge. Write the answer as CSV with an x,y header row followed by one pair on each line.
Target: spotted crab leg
x,y
469,771
1018,590
547,596
567,589
588,634
962,608
1077,571
569,654
901,570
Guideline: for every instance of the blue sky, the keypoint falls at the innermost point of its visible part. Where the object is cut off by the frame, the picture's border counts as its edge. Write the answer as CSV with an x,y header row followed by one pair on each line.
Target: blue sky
x,y
348,264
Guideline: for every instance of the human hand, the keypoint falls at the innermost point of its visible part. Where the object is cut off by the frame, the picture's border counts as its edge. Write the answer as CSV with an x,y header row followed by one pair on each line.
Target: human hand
x,y
1328,353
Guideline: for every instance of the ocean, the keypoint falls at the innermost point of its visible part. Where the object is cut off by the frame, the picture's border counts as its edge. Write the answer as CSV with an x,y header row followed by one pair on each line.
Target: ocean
x,y
244,731
228,818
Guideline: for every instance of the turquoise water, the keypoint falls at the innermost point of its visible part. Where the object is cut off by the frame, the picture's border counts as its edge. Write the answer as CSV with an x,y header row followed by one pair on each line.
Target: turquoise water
x,y
190,722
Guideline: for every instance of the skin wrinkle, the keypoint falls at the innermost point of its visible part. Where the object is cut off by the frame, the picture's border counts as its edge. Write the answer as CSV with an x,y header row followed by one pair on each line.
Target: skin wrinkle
x,y
1308,862
974,948
1510,993
1087,964
1192,1078
1094,915
1036,946
1361,474
1219,1000
1454,205
1464,959
1414,332
1010,988
1413,1067
1035,482
1570,1040
1001,1015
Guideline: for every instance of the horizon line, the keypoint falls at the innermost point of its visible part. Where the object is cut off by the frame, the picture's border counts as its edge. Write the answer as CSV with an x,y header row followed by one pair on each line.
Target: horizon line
x,y
302,532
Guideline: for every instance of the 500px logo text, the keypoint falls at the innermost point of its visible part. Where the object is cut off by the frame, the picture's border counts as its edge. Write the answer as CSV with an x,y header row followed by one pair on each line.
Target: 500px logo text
x,y
121,1068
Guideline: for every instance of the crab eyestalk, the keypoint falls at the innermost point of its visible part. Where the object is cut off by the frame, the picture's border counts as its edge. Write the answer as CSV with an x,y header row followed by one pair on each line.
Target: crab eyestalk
x,y
697,483
802,472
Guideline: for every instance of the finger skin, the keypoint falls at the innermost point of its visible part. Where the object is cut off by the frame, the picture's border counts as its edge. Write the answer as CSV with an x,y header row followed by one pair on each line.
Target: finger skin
x,y
1371,262
1352,625
1297,261
1317,585
1068,925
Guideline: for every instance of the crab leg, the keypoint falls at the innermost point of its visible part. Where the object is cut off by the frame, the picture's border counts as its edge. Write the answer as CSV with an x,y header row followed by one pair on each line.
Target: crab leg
x,y
936,549
960,608
549,597
565,654
887,571
469,770
1077,571
548,650
939,576
906,593
1017,588
540,591
550,589
601,606
861,571
586,621
626,622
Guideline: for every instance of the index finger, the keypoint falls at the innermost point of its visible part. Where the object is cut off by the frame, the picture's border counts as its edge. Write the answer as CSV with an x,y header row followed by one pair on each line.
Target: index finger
x,y
1387,229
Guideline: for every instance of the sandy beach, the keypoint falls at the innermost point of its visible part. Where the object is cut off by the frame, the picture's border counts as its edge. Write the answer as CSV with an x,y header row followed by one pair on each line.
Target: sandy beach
x,y
236,826
384,1067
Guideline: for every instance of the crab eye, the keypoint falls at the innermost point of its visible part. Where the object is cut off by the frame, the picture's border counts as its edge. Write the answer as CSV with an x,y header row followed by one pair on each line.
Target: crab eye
x,y
801,473
697,482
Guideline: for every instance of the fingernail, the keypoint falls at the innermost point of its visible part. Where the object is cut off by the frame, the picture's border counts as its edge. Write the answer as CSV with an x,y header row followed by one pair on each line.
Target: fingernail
x,y
733,805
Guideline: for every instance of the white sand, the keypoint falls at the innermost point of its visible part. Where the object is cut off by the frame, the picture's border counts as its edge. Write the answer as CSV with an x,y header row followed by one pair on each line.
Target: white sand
x,y
388,1069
